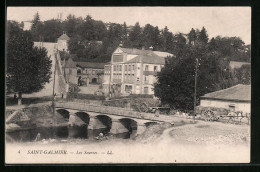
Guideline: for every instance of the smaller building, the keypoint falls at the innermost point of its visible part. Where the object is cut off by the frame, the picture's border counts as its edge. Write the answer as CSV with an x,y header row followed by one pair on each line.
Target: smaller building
x,y
237,64
63,42
82,73
236,98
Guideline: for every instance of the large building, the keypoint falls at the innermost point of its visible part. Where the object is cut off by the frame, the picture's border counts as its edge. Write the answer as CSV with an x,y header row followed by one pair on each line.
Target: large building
x,y
133,71
236,98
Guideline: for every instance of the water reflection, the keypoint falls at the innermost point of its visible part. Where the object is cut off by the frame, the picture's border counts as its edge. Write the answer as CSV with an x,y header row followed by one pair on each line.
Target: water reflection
x,y
64,132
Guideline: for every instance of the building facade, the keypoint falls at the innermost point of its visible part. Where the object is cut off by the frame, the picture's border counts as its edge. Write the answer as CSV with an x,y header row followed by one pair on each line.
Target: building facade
x,y
132,71
236,98
83,73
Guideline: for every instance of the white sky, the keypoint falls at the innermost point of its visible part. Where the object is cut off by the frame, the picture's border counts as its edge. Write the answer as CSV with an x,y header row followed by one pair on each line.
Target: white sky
x,y
224,21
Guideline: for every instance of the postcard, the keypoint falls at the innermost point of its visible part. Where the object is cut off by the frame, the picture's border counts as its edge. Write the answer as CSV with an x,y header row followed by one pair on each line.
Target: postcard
x,y
113,85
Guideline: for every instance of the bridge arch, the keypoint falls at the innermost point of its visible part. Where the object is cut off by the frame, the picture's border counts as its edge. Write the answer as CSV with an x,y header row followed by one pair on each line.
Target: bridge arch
x,y
83,116
106,120
129,123
64,113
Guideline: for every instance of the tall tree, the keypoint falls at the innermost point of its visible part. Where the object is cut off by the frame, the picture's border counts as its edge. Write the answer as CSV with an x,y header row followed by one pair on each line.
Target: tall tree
x,y
179,44
37,28
192,36
135,37
167,40
28,67
125,35
35,21
203,36
51,30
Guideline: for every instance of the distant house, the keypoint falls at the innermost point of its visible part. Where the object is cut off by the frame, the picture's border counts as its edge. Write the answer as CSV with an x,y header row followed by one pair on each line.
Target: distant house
x,y
236,98
63,42
83,72
27,25
133,71
236,64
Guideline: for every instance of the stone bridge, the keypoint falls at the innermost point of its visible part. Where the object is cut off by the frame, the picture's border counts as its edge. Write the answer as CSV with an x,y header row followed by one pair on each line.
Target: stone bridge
x,y
117,120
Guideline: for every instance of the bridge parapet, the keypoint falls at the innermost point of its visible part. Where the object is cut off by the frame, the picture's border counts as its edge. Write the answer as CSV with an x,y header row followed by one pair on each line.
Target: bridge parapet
x,y
113,111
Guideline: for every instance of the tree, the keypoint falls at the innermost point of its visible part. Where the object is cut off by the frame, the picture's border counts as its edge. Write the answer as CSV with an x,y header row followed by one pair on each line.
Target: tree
x,y
28,67
167,40
135,37
231,47
51,30
175,85
124,35
179,44
35,21
242,75
192,37
203,36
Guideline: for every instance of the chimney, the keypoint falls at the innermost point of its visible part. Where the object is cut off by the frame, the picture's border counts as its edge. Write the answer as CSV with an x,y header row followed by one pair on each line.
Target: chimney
x,y
151,48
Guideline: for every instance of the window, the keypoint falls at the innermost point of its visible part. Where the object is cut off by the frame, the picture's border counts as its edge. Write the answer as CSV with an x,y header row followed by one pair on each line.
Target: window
x,y
146,67
129,67
155,68
145,90
118,58
78,71
137,79
128,88
120,68
125,67
133,67
145,78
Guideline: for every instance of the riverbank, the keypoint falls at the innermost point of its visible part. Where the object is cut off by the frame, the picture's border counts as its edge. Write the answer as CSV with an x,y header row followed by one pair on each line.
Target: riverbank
x,y
203,142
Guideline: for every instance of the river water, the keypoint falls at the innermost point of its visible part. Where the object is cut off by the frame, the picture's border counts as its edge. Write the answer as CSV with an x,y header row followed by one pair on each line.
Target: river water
x,y
59,133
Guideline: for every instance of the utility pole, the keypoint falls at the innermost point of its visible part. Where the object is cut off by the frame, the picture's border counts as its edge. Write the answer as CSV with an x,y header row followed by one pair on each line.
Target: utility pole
x,y
195,88
53,92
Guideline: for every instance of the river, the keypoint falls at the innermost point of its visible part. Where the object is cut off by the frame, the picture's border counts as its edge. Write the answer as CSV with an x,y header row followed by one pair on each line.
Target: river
x,y
61,133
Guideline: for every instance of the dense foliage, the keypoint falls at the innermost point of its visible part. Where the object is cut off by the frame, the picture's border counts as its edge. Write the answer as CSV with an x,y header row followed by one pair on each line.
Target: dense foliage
x,y
28,67
176,81
94,40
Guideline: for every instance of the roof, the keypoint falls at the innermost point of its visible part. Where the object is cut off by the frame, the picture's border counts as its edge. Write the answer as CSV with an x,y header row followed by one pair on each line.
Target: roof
x,y
64,36
236,93
135,51
147,59
236,64
91,65
162,54
70,63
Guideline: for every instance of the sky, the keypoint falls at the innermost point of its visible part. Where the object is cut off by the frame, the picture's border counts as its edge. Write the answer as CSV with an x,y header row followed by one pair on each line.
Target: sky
x,y
223,21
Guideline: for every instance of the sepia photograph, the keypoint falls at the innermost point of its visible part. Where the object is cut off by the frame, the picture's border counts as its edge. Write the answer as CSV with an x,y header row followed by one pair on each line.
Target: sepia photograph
x,y
127,85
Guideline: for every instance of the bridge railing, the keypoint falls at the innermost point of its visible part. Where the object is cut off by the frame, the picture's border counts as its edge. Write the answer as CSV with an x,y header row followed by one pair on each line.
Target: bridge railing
x,y
112,111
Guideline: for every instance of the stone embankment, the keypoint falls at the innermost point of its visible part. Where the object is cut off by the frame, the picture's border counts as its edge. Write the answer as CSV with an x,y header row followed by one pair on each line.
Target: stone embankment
x,y
36,116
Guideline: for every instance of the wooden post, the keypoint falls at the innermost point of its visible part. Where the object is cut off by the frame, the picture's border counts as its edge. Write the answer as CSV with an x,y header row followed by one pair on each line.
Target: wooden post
x,y
53,92
195,89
